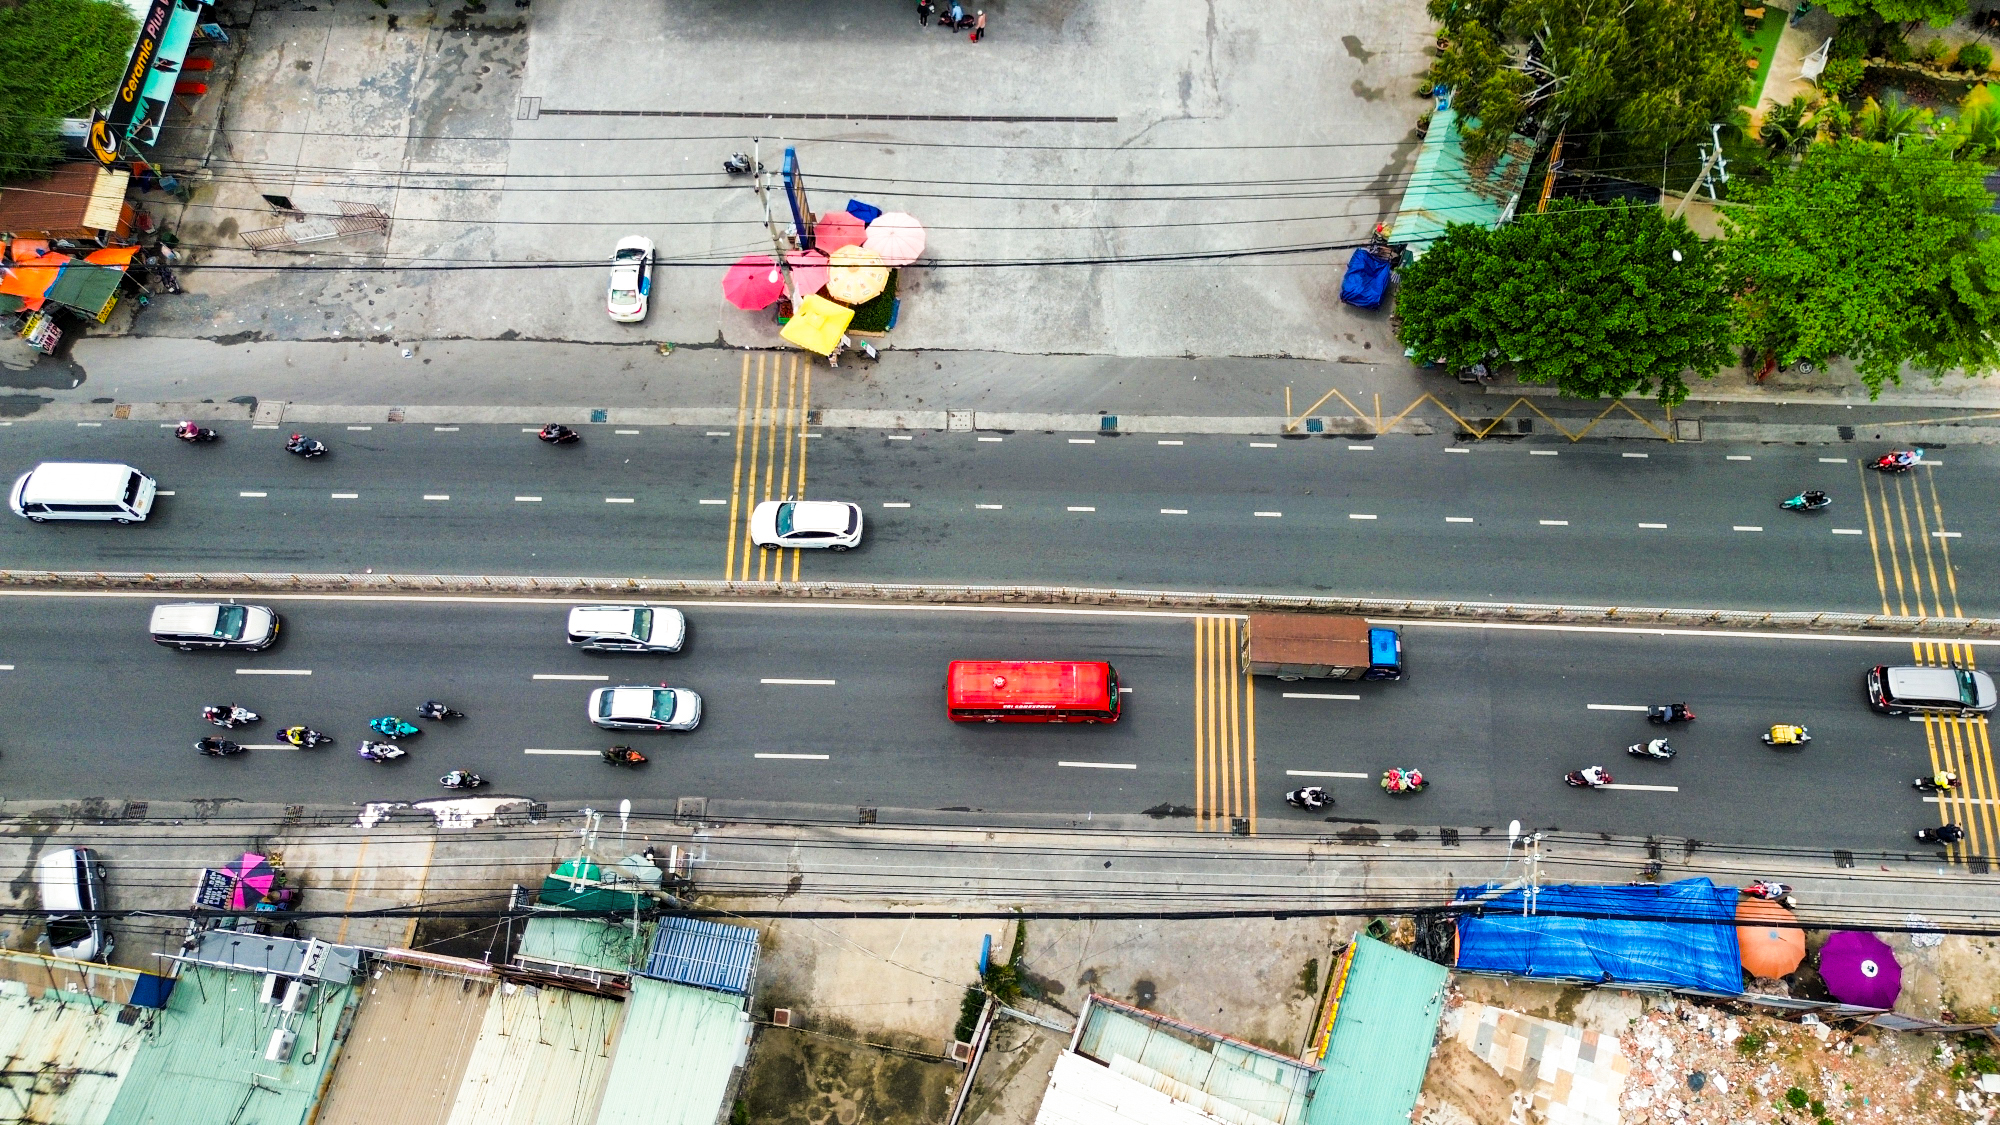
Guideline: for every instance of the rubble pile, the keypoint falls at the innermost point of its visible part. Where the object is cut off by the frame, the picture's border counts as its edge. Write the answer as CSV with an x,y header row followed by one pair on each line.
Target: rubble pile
x,y
1694,1065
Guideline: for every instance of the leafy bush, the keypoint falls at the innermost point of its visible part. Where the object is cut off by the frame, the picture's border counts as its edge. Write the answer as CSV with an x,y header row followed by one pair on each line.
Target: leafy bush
x,y
1895,48
1840,77
1850,40
58,58
1932,51
873,314
1975,57
1749,1043
968,1014
1797,1098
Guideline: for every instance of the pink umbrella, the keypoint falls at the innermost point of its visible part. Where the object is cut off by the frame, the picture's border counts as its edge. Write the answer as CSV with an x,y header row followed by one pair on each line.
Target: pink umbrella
x,y
753,282
836,229
808,271
254,878
898,237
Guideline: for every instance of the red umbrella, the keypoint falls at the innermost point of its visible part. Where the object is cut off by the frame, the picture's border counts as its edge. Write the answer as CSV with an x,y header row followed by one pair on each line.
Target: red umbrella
x,y
808,271
753,282
837,229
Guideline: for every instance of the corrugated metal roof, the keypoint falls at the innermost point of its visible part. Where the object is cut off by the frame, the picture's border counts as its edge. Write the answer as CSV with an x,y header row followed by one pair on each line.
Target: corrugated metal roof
x,y
540,1059
1262,1084
705,954
66,1057
1381,1040
1446,187
584,941
675,1054
407,1054
204,1059
1083,1092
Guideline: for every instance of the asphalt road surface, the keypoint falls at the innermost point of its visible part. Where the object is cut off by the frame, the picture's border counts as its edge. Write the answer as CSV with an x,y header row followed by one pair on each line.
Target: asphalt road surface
x,y
1494,716
1601,523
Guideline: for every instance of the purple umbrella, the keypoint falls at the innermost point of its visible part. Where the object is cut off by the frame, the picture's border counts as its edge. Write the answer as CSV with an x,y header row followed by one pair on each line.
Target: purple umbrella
x,y
1860,969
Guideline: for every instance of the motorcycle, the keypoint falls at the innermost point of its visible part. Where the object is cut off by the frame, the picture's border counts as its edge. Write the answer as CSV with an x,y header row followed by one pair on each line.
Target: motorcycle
x,y
624,756
1771,891
392,728
1591,777
740,164
1786,735
1397,781
1664,713
557,434
461,779
217,747
435,709
1943,781
383,752
303,446
195,435
1657,748
1947,834
229,716
305,738
1806,502
1898,461
1311,798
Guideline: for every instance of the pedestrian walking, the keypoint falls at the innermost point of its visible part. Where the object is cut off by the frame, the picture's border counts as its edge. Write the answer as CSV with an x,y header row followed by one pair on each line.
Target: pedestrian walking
x,y
955,17
979,26
924,10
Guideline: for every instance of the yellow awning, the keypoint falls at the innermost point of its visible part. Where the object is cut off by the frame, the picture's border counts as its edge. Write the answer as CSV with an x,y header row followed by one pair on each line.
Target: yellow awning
x,y
817,324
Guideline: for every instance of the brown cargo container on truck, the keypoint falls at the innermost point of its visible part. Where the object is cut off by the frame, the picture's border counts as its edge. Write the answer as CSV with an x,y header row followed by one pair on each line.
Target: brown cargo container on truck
x,y
1298,646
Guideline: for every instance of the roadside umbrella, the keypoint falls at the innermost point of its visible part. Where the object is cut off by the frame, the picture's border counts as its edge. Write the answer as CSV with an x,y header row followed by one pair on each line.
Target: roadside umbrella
x,y
254,877
753,282
836,229
898,237
817,324
1860,969
808,271
857,274
1768,950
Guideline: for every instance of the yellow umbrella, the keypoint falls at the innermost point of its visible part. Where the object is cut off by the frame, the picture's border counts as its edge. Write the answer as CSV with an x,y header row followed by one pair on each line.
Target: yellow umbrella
x,y
817,324
857,273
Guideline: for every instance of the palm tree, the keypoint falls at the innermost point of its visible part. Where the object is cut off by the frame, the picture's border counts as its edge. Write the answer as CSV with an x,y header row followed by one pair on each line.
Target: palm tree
x,y
1886,122
1788,127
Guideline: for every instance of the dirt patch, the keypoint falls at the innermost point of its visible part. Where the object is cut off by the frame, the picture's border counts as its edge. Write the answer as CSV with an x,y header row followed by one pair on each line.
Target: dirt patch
x,y
1013,1074
800,1078
1459,1087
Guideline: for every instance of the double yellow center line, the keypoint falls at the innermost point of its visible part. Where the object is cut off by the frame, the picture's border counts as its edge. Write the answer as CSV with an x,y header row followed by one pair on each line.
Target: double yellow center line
x,y
1225,727
771,432
1904,510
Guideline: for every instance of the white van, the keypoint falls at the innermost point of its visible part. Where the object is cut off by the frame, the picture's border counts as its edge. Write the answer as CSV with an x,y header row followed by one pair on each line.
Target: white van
x,y
71,882
83,490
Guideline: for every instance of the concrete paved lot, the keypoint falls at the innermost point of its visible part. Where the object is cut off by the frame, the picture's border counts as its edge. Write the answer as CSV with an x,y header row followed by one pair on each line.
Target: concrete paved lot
x,y
1395,516
1494,716
1161,128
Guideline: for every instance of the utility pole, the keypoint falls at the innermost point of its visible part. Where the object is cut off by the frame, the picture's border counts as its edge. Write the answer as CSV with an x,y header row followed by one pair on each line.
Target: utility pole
x,y
779,248
1713,155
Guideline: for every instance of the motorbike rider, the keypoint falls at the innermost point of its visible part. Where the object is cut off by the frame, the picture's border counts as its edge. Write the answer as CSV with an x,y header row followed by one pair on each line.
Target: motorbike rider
x,y
1814,498
460,779
433,709
1314,797
1402,780
1944,779
556,431
215,747
1595,775
1947,834
188,431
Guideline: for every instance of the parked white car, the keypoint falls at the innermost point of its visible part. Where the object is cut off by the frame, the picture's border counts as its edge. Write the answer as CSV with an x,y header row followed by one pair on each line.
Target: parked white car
x,y
631,279
831,524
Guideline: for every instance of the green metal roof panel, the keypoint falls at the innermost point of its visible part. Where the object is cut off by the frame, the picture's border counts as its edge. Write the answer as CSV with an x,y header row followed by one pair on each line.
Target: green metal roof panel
x,y
68,1034
85,288
586,942
203,1059
1383,1031
674,1055
1260,1083
1447,188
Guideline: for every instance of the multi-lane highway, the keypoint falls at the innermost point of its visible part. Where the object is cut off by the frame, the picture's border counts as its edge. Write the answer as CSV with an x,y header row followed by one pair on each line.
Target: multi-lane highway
x,y
1615,523
843,707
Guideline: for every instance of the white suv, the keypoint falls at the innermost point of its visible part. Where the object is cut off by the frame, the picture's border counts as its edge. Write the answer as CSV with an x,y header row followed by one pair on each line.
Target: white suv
x,y
832,524
627,628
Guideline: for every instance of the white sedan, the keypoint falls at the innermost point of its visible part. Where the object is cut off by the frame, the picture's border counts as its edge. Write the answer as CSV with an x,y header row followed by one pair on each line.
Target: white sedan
x,y
645,708
832,524
631,279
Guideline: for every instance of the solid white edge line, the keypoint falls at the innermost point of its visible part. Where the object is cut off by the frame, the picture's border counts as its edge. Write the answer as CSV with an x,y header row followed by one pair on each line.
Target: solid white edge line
x,y
798,757
1613,707
1655,631
1963,800
1313,695
274,671
568,753
1645,788
1100,765
799,683
1324,773
560,676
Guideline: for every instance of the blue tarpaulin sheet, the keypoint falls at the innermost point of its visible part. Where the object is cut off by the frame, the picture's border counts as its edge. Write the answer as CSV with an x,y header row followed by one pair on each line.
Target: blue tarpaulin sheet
x,y
1629,934
1367,280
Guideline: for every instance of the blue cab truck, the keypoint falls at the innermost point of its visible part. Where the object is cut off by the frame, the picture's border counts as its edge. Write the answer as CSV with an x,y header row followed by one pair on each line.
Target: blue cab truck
x,y
1306,646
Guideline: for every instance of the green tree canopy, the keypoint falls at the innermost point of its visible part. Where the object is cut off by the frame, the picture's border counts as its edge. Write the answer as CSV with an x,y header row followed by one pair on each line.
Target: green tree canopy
x,y
1656,70
1937,13
1586,297
58,58
1883,253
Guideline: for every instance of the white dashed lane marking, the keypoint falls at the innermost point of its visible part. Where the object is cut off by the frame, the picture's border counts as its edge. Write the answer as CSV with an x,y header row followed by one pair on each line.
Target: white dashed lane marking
x,y
253,495
527,499
798,757
345,496
561,676
1360,515
797,683
1270,515
1847,531
437,495
1100,765
1315,695
1458,519
1324,773
1745,527
1173,511
895,503
1075,508
1554,523
990,507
